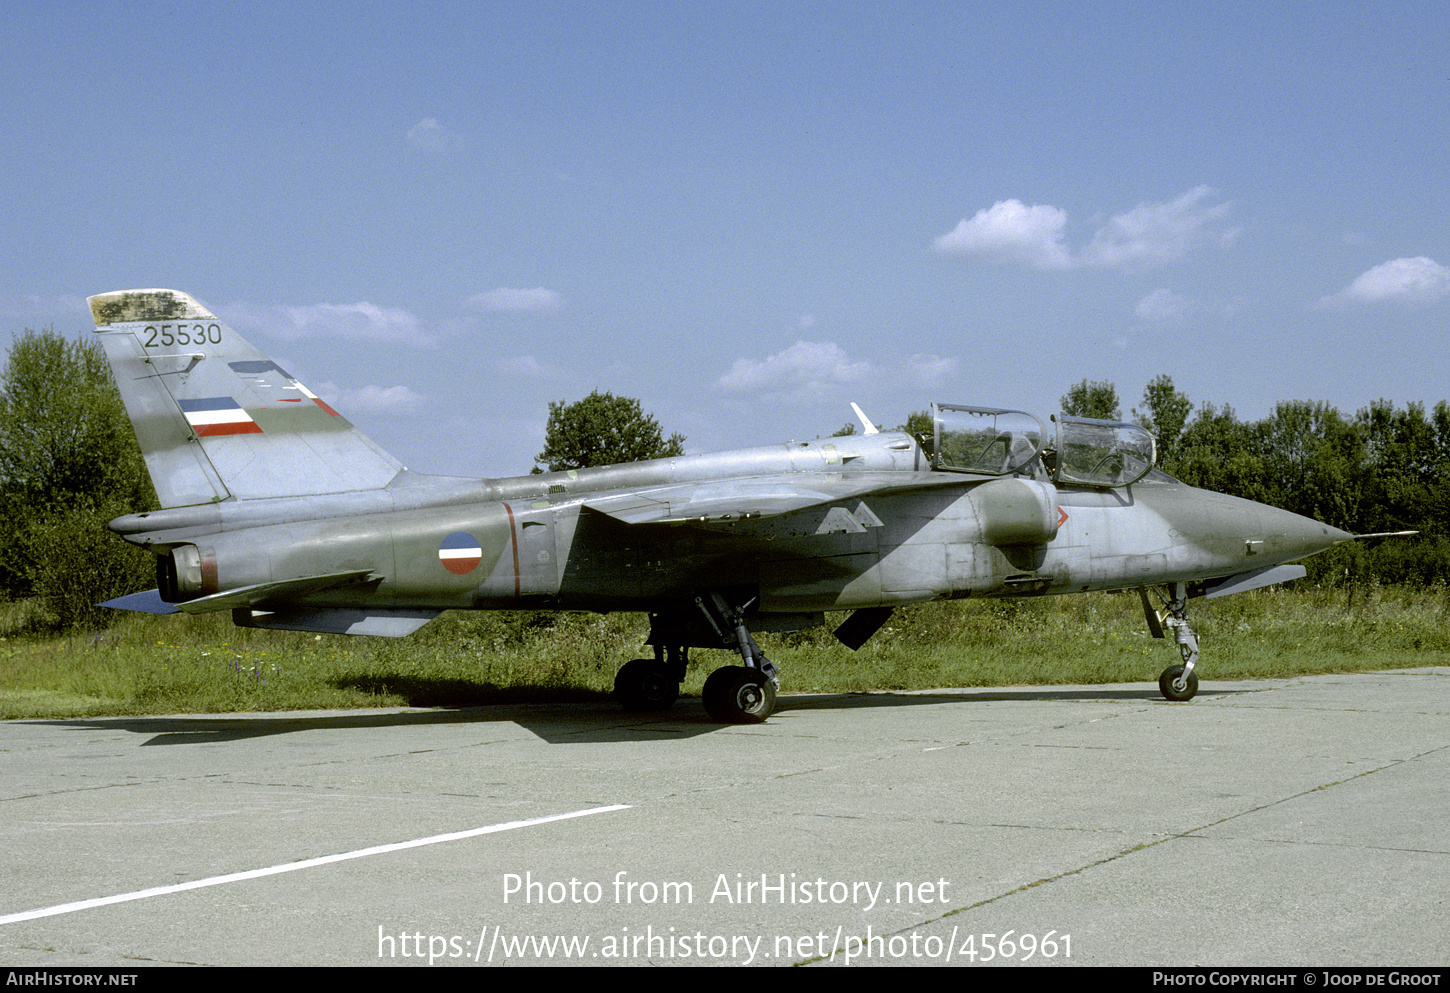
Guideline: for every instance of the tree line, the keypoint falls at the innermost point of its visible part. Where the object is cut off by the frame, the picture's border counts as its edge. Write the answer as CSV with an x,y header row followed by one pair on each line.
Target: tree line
x,y
69,462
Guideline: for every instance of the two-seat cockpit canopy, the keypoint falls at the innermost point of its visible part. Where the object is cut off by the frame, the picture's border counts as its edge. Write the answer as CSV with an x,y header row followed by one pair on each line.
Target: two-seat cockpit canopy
x,y
1084,452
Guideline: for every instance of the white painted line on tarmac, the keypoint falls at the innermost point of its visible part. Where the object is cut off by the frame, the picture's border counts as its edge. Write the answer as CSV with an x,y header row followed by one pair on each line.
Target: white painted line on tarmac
x,y
273,870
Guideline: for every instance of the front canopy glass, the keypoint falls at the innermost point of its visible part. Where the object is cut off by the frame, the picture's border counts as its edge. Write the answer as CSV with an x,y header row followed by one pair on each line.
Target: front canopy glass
x,y
1101,453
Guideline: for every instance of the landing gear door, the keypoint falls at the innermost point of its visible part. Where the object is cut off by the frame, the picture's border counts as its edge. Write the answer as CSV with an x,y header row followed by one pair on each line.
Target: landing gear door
x,y
1101,453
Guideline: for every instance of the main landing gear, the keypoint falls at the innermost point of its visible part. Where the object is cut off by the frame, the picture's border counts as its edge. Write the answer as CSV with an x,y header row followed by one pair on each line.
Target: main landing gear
x,y
1178,682
736,694
649,684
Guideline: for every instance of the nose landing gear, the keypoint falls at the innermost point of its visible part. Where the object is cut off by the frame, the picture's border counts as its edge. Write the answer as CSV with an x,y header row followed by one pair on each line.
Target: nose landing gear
x,y
1178,682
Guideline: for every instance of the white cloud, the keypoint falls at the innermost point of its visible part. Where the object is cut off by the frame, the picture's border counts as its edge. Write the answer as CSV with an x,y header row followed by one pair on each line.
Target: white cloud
x,y
1162,306
931,370
1166,311
1150,234
805,368
1011,231
354,321
1154,233
814,370
361,321
538,300
66,307
370,399
528,367
1419,280
431,135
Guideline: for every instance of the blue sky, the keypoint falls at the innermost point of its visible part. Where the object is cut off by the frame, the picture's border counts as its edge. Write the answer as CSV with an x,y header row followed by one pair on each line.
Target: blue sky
x,y
442,216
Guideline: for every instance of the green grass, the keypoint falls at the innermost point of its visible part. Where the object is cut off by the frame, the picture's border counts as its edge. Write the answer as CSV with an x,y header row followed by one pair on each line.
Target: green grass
x,y
180,664
1102,638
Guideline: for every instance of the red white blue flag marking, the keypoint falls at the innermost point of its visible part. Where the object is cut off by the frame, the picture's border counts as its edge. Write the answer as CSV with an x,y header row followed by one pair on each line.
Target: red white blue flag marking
x,y
460,553
215,416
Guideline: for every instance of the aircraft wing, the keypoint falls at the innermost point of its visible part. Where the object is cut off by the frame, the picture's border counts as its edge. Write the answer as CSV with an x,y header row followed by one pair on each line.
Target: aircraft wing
x,y
757,496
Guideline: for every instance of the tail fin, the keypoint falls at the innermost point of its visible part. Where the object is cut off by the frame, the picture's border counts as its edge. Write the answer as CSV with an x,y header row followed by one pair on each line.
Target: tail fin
x,y
216,418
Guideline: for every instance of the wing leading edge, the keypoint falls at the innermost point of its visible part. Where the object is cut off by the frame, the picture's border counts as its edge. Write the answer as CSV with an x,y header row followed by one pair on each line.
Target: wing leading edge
x,y
759,496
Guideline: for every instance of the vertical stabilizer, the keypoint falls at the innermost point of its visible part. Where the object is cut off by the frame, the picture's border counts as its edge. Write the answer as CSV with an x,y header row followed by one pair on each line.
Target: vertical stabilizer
x,y
216,418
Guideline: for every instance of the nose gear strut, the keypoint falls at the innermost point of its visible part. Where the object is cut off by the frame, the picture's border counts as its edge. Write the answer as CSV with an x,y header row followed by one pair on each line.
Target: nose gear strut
x,y
1178,682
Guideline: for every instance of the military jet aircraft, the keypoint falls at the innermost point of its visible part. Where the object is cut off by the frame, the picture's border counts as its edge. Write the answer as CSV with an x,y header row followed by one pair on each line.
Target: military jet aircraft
x,y
276,508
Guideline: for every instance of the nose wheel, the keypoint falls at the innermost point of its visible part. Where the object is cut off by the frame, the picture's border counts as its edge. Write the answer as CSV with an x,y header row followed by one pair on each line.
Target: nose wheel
x,y
1178,683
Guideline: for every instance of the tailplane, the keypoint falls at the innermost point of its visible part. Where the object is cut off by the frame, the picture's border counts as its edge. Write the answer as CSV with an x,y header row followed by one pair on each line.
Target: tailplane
x,y
216,418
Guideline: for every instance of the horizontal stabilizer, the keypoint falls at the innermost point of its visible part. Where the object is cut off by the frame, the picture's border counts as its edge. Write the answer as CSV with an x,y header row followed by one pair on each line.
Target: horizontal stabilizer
x,y
261,593
328,620
149,602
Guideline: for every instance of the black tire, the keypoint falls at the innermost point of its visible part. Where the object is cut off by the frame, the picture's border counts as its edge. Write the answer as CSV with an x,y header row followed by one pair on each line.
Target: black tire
x,y
644,684
1165,684
738,694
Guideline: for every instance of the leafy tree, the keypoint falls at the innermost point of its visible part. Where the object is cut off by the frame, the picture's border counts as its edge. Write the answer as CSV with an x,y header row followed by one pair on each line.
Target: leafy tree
x,y
1406,444
64,436
920,426
68,462
1313,461
1407,487
75,563
844,431
1165,412
1097,399
603,429
1216,452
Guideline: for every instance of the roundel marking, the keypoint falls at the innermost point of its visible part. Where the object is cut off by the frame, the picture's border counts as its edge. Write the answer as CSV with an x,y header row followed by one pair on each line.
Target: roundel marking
x,y
460,553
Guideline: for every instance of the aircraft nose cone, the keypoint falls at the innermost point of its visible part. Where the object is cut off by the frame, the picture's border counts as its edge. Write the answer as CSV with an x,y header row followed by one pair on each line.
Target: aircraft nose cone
x,y
1231,532
1287,536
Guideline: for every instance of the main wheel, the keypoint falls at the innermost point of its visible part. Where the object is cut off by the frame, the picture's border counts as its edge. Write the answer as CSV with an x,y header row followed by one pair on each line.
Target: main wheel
x,y
1170,676
738,694
644,684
